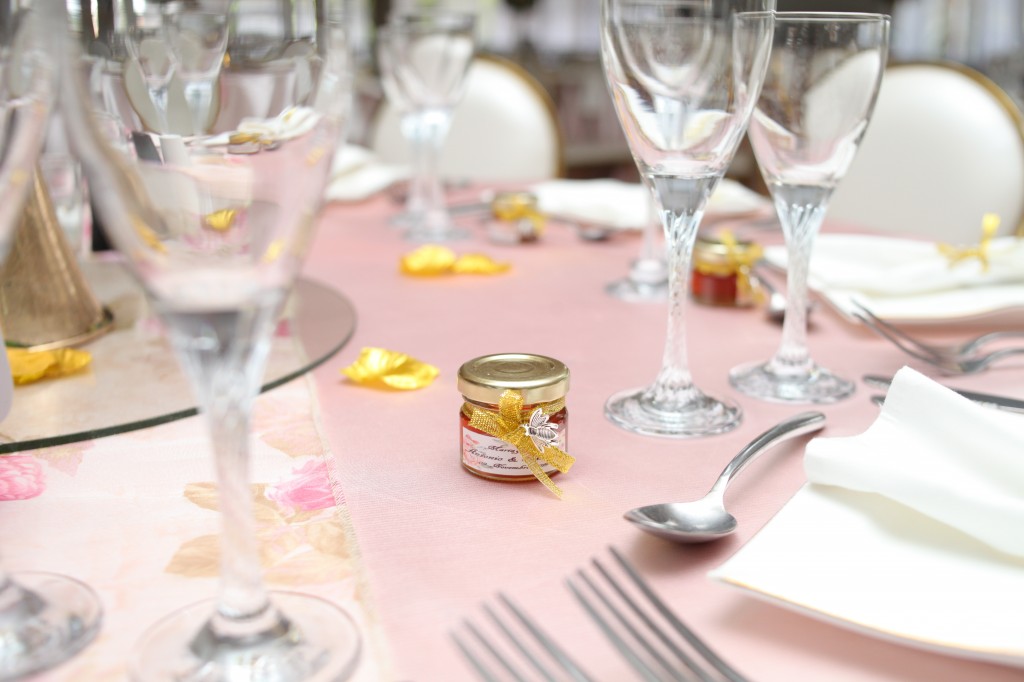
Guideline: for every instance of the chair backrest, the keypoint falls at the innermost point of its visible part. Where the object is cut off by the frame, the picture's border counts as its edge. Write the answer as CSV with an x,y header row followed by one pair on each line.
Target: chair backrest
x,y
504,129
944,147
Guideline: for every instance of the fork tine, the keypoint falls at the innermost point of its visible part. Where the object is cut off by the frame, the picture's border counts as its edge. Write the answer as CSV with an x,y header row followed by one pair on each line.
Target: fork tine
x,y
609,632
476,663
683,657
497,654
547,642
865,315
901,344
696,642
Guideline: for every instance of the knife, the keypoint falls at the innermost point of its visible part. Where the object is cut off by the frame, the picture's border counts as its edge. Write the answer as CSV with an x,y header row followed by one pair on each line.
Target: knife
x,y
997,401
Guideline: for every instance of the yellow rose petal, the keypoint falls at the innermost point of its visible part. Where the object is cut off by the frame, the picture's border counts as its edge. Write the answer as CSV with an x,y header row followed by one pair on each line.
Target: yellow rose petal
x,y
428,261
29,366
381,368
479,264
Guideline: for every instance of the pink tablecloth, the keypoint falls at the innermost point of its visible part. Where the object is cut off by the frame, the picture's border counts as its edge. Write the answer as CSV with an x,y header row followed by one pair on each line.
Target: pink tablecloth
x,y
437,542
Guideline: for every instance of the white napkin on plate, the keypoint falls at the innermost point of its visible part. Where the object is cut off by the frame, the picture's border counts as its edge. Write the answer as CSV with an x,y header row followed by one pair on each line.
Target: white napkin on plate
x,y
358,174
627,205
889,266
938,453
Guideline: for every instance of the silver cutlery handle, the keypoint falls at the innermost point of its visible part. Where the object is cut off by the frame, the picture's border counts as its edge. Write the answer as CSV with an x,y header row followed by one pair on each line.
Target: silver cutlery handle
x,y
801,424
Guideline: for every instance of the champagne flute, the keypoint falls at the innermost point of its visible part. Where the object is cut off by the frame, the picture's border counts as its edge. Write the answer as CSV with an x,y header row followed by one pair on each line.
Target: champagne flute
x,y
215,227
45,618
428,54
684,76
814,108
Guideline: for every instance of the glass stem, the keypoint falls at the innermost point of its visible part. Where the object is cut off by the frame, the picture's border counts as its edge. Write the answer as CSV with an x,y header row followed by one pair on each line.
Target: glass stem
x,y
801,211
435,124
159,97
412,130
199,95
224,354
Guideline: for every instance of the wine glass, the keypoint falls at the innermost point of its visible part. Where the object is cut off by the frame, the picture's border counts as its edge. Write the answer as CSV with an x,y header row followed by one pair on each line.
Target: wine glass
x,y
146,41
45,618
428,54
411,126
684,76
647,279
215,227
197,35
814,108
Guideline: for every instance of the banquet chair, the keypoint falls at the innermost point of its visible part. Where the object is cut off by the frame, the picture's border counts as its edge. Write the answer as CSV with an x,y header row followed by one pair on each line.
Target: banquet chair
x,y
944,147
504,129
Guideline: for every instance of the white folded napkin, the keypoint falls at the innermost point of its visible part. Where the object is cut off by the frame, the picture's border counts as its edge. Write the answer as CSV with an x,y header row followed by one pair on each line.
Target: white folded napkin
x,y
357,174
889,266
938,453
627,205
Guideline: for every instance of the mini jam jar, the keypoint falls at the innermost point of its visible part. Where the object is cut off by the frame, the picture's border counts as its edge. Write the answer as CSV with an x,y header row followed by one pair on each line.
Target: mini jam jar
x,y
722,273
542,381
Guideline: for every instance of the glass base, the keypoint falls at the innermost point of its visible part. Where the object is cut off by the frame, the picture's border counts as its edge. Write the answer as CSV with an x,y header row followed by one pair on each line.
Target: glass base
x,y
637,292
310,640
698,415
46,619
764,381
447,233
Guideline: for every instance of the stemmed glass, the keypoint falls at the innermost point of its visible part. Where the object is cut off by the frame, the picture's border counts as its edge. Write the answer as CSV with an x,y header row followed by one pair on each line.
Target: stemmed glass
x,y
215,228
411,128
814,108
197,36
427,54
45,618
684,76
146,41
647,279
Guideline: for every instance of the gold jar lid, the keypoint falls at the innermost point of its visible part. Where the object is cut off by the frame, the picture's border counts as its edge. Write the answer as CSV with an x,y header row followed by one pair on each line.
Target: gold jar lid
x,y
539,378
717,257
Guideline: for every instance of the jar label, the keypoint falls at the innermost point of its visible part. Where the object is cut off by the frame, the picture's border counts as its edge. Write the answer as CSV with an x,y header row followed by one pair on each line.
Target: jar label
x,y
493,456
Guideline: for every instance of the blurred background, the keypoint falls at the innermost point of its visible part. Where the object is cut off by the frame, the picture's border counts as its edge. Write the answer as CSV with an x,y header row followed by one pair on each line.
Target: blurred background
x,y
557,41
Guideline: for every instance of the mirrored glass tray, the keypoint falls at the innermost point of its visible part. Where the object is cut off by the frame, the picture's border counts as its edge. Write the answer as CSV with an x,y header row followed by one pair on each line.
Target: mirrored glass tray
x,y
134,380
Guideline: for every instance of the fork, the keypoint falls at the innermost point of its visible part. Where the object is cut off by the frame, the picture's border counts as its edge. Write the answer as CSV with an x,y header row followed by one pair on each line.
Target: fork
x,y
958,351
950,364
539,652
652,658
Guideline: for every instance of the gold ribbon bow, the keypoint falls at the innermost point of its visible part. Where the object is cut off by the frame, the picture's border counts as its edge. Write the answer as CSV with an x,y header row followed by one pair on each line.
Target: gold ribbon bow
x,y
955,254
738,261
510,425
513,206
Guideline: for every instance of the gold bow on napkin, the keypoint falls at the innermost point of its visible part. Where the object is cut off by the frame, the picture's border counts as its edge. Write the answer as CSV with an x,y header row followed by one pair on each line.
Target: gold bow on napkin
x,y
29,366
432,261
511,425
956,254
381,368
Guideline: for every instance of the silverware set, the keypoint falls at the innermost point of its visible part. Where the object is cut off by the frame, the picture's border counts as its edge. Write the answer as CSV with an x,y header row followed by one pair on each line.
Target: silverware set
x,y
962,358
641,627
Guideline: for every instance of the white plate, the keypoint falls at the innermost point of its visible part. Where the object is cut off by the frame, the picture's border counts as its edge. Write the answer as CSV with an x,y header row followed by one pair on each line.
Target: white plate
x,y
910,282
862,561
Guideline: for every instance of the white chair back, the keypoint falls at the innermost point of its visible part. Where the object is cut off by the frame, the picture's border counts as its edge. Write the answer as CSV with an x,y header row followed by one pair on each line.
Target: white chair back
x,y
504,129
944,147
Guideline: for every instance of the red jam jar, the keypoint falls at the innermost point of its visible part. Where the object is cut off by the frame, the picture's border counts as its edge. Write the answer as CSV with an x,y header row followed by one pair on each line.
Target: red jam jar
x,y
722,272
541,381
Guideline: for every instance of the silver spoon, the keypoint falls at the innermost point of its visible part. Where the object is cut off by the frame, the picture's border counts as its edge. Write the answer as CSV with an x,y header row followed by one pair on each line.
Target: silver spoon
x,y
706,519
